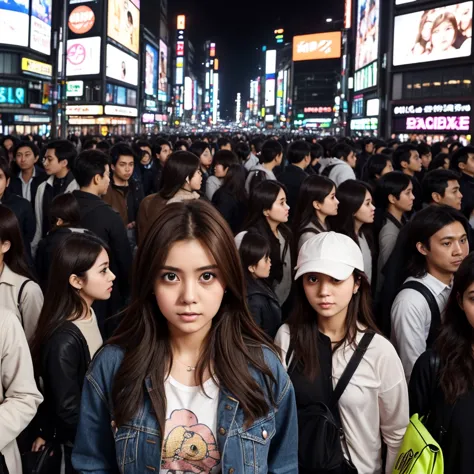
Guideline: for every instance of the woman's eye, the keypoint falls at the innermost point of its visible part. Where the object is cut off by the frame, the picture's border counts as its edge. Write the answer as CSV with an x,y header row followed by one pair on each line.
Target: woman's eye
x,y
312,279
207,277
105,270
171,277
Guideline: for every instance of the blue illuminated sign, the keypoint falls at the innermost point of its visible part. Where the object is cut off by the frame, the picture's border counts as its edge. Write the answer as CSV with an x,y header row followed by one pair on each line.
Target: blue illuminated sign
x,y
12,95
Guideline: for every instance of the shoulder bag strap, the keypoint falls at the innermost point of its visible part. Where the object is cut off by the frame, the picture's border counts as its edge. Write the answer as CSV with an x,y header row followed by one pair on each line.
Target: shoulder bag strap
x,y
351,367
434,308
18,303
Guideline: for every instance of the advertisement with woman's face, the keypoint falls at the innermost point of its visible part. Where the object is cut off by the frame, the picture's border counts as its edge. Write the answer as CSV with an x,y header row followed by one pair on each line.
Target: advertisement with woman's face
x,y
433,35
123,23
367,45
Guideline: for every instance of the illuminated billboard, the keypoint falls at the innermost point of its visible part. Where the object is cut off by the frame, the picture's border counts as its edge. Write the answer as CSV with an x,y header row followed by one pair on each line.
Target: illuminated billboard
x,y
121,66
123,24
14,21
269,92
151,70
367,42
40,32
317,46
188,93
270,61
83,56
163,73
433,35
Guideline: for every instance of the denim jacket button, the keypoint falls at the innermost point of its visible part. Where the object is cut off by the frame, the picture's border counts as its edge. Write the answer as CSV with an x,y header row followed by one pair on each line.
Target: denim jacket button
x,y
264,434
231,470
222,431
228,407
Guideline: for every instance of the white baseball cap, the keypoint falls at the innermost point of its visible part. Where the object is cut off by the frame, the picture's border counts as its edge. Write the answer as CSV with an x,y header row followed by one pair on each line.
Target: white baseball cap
x,y
330,253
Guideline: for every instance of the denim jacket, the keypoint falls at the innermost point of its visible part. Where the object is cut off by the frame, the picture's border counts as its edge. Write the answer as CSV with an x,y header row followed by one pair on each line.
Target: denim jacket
x,y
269,445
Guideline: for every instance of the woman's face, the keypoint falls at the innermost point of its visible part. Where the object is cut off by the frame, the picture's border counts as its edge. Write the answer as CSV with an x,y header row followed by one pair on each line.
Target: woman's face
x,y
206,158
327,296
443,36
329,206
220,171
388,168
280,210
189,288
464,15
405,202
4,182
98,282
262,269
196,181
366,212
426,30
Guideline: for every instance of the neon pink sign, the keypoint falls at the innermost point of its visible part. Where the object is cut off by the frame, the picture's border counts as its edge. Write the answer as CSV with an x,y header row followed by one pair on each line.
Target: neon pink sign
x,y
439,123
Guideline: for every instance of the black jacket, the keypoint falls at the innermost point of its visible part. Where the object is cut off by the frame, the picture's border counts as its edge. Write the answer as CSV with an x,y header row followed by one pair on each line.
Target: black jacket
x,y
264,306
466,184
150,176
65,358
98,217
25,215
46,249
16,187
233,210
292,178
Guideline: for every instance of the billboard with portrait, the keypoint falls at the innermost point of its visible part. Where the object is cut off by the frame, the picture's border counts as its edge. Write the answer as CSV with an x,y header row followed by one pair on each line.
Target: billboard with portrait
x,y
433,34
123,24
151,70
121,66
367,42
40,33
163,71
83,56
14,21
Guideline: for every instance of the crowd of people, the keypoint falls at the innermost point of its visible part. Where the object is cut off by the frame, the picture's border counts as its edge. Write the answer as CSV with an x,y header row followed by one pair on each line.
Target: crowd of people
x,y
200,304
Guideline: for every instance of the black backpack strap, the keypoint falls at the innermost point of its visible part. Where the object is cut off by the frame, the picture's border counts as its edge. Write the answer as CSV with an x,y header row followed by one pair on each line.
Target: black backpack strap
x,y
434,308
18,303
351,367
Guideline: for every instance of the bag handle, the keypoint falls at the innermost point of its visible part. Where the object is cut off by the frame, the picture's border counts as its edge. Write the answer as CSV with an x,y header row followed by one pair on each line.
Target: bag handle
x,y
20,294
352,367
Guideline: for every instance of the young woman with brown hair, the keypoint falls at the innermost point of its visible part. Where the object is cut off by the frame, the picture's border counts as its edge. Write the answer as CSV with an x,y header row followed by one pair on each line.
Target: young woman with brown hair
x,y
187,384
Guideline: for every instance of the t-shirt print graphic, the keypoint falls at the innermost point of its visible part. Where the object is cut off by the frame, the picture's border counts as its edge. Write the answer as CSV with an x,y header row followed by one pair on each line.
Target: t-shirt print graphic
x,y
189,447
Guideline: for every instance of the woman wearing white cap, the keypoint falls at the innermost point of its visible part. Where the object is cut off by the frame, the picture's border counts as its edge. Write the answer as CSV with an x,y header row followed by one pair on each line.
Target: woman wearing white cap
x,y
330,323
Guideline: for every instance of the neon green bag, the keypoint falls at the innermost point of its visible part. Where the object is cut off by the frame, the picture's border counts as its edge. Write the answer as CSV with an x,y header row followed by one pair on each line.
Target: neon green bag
x,y
419,452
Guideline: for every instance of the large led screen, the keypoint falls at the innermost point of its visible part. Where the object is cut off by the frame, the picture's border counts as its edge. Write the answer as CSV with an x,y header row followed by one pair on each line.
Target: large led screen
x,y
367,43
14,22
123,24
121,66
151,70
40,33
83,56
433,35
163,71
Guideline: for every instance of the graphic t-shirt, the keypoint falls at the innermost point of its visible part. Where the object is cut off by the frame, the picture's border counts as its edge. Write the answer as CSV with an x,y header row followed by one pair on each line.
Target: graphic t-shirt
x,y
190,444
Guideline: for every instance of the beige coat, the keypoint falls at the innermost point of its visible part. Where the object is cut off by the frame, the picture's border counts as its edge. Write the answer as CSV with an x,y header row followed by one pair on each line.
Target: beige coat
x,y
31,300
19,396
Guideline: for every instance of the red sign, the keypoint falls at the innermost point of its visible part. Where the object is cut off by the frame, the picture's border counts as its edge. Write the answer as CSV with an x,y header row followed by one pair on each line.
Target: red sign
x,y
180,48
317,110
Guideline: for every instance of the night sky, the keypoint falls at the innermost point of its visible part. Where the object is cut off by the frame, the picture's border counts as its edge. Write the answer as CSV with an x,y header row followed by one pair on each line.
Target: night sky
x,y
240,28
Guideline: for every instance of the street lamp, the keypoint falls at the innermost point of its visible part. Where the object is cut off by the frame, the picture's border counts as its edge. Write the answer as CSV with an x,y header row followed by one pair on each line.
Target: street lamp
x,y
328,20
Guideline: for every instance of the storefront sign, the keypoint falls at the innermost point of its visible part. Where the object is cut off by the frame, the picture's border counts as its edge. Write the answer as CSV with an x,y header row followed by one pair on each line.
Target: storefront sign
x,y
119,110
317,110
75,89
36,67
12,95
365,124
446,108
148,118
439,123
84,110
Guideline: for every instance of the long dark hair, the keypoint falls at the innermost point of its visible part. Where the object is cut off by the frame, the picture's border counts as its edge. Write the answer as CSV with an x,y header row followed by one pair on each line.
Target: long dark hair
x,y
351,195
234,182
10,231
454,343
303,324
252,249
180,165
314,188
75,255
233,343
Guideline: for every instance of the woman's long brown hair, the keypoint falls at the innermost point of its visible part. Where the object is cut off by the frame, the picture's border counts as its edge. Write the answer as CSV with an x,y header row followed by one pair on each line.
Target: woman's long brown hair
x,y
234,342
303,324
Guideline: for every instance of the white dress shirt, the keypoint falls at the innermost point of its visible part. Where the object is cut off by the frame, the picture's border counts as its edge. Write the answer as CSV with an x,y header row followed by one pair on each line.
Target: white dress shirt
x,y
411,319
26,185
